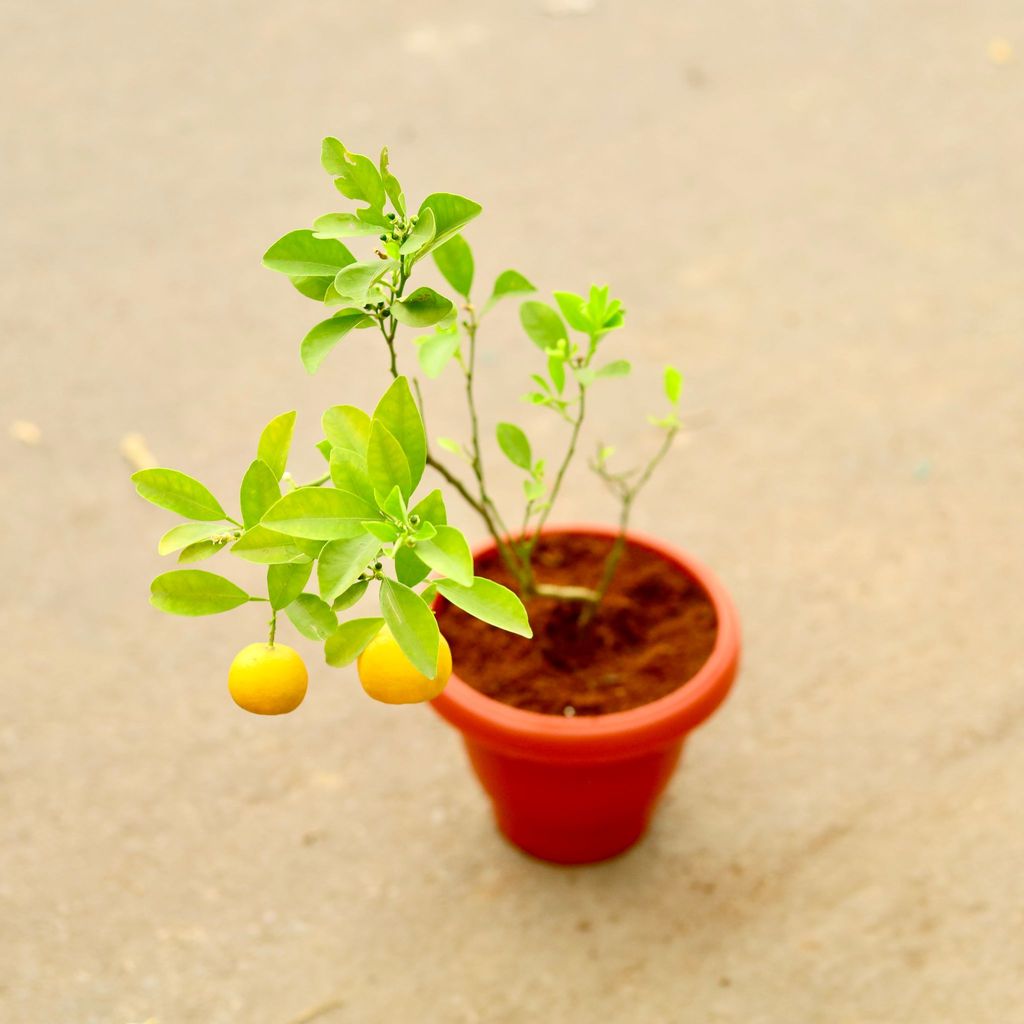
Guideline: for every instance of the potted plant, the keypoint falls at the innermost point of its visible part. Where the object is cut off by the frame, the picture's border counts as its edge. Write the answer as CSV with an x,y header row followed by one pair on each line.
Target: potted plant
x,y
583,654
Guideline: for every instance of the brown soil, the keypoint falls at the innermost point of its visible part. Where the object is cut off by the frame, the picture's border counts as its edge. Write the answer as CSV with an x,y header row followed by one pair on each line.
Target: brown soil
x,y
654,630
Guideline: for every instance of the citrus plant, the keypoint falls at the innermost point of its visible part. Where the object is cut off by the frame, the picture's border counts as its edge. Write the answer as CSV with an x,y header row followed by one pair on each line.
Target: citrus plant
x,y
362,528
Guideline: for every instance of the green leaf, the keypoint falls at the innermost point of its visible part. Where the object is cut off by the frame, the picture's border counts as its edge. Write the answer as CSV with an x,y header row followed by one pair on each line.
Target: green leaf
x,y
319,513
179,493
347,427
617,368
285,582
354,282
436,350
422,234
515,444
448,553
542,324
431,509
509,282
259,491
386,461
342,225
325,335
195,592
268,547
342,562
409,567
451,213
455,261
423,308
386,533
673,384
413,625
276,441
185,534
312,287
350,596
572,309
312,617
393,506
356,176
556,370
199,551
490,602
391,185
301,254
349,640
397,410
348,473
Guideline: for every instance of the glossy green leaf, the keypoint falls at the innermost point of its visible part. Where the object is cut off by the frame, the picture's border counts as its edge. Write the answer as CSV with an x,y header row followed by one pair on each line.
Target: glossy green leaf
x,y
390,182
398,411
319,513
199,551
315,288
312,617
353,283
285,582
325,335
448,553
341,563
436,350
393,506
451,213
276,442
268,547
183,535
556,371
195,592
509,282
572,309
343,225
421,235
179,493
423,308
616,368
409,567
413,625
673,384
347,426
302,254
542,324
431,509
259,491
348,473
515,444
386,461
386,533
355,176
349,640
455,261
350,596
490,602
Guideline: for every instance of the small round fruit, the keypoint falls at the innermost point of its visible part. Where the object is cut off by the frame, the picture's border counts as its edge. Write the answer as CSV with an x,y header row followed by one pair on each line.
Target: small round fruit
x,y
267,679
387,674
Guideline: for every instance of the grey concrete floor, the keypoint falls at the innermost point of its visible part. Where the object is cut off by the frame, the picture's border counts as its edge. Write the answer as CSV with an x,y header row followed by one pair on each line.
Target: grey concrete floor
x,y
816,211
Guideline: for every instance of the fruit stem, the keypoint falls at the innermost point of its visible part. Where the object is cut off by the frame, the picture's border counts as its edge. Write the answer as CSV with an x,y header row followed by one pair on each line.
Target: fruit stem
x,y
273,629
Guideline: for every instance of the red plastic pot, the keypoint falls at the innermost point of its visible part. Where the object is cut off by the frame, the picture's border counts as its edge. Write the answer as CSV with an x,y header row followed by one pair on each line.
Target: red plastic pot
x,y
575,790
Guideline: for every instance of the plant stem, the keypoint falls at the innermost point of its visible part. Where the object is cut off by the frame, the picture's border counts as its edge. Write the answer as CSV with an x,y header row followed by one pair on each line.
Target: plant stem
x,y
273,628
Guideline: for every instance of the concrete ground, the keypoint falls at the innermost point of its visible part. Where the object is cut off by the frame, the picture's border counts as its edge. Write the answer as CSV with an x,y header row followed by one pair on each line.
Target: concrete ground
x,y
816,211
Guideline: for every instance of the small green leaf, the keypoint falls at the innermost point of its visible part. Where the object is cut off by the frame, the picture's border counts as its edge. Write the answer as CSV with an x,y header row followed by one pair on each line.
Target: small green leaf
x,y
348,473
431,509
393,506
673,384
490,602
386,533
617,368
448,553
325,335
556,370
199,551
276,441
179,493
455,261
349,640
354,282
572,309
356,176
347,427
195,592
301,254
312,617
397,410
436,350
342,561
451,213
515,444
391,185
268,547
421,234
315,288
413,625
542,324
509,282
409,567
342,225
185,534
259,491
423,308
350,596
319,513
386,461
285,582
449,444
